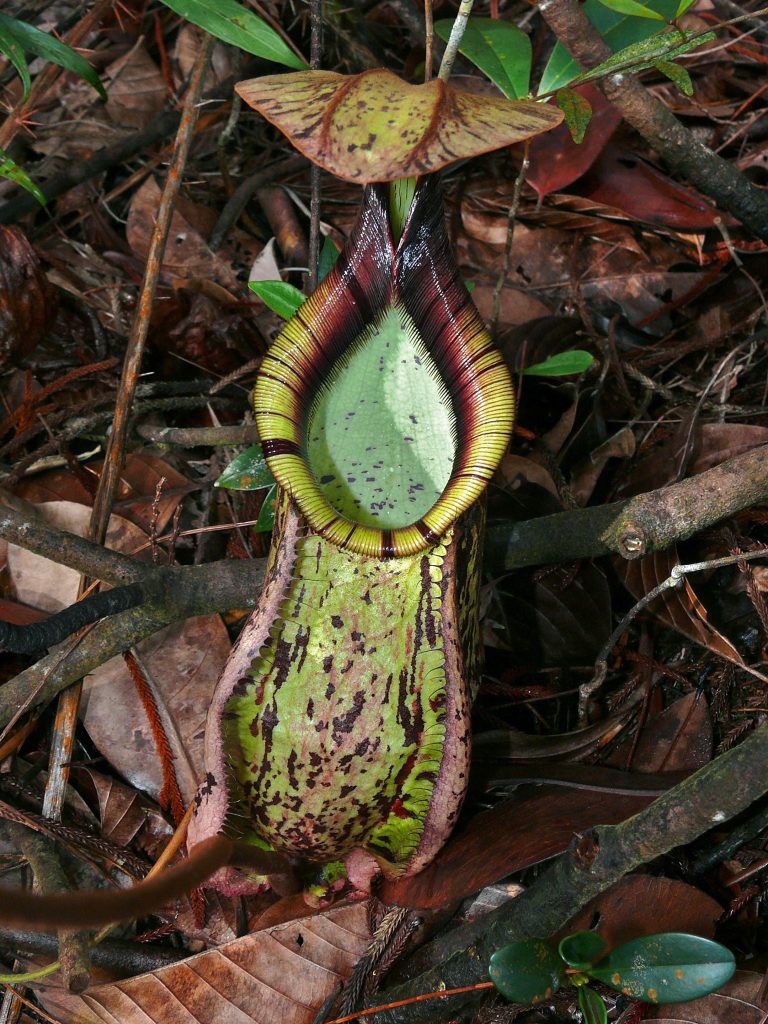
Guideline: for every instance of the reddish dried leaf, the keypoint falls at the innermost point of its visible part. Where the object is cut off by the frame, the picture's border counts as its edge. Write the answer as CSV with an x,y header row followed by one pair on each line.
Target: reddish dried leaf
x,y
26,303
627,183
556,160
514,835
136,89
376,127
677,739
643,905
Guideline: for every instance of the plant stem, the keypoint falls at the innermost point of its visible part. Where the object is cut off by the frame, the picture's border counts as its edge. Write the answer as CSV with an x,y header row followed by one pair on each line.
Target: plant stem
x,y
459,25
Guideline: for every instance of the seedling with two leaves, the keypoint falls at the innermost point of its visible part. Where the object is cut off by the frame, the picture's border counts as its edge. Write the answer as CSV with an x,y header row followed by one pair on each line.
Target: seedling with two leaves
x,y
670,967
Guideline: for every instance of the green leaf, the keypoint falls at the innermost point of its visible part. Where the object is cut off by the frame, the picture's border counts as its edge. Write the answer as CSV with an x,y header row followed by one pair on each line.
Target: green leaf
x,y
560,365
15,54
376,127
618,30
641,55
527,971
676,73
32,40
235,24
12,171
670,967
581,948
281,297
500,49
266,518
248,471
592,1006
577,110
632,7
328,256
683,6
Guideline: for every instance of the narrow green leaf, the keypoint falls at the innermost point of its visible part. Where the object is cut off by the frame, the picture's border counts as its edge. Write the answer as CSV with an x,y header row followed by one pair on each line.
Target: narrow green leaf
x,y
266,518
632,7
12,171
592,1006
248,471
527,971
15,54
577,110
581,948
618,30
32,40
639,56
500,49
670,967
560,365
328,256
235,24
683,6
676,73
281,297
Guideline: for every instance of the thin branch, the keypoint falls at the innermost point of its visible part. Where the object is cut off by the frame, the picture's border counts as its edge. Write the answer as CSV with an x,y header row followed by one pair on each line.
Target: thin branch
x,y
454,41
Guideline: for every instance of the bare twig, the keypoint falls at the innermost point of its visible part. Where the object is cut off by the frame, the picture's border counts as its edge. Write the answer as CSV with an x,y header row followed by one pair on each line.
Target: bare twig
x,y
454,41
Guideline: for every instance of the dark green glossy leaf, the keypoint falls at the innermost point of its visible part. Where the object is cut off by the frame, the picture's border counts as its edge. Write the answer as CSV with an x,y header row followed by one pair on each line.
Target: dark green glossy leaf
x,y
582,948
266,518
15,54
32,40
11,170
500,49
527,971
677,74
560,365
248,471
670,967
281,297
618,30
328,256
577,110
235,24
631,7
592,1006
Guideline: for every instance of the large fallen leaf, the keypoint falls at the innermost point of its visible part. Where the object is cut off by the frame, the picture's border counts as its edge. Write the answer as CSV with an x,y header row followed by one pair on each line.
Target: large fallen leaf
x,y
376,127
284,973
181,663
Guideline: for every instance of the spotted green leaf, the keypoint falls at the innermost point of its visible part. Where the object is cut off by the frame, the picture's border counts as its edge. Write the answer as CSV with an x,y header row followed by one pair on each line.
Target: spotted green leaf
x,y
671,967
376,127
235,24
677,74
500,49
663,46
577,110
618,30
11,170
592,1007
32,40
581,948
281,297
248,471
528,971
560,365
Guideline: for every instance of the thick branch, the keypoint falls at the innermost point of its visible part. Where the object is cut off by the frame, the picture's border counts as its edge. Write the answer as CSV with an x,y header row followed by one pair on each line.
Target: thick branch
x,y
597,860
638,526
675,144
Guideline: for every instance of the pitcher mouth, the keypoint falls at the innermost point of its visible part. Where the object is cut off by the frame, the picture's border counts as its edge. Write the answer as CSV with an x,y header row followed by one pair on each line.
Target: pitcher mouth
x,y
383,405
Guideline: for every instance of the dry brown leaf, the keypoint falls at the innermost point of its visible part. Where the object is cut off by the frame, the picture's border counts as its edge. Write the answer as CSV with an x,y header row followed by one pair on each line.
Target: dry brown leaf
x,y
585,475
677,739
281,975
182,664
187,253
136,89
26,302
517,306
